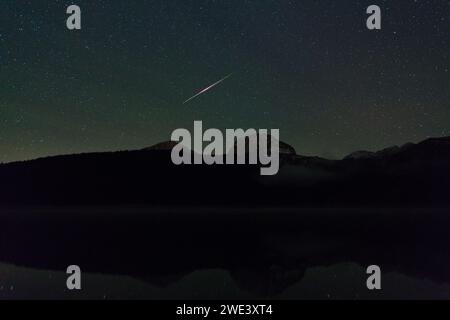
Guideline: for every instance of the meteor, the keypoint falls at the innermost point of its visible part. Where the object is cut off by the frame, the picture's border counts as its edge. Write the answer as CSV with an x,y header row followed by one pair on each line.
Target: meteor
x,y
208,88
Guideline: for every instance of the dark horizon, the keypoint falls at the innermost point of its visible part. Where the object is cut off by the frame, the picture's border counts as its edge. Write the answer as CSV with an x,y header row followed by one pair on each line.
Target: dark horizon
x,y
148,146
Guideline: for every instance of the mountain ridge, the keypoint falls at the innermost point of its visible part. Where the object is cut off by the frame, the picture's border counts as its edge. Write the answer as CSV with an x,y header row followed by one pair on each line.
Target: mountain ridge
x,y
417,174
167,145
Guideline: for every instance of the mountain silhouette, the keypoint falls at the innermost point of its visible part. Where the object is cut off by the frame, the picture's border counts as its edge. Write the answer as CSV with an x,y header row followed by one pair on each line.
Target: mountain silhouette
x,y
411,175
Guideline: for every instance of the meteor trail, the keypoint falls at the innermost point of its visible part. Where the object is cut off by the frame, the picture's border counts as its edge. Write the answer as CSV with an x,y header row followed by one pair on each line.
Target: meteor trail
x,y
208,88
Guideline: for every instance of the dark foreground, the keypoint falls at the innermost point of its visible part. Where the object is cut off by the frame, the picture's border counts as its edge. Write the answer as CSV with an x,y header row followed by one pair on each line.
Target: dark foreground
x,y
159,253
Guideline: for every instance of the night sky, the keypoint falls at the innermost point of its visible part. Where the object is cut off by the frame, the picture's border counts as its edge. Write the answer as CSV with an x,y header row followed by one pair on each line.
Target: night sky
x,y
310,68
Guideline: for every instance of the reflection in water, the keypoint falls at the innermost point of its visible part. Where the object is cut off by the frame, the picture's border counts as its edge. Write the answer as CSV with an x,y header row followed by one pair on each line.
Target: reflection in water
x,y
231,253
342,281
